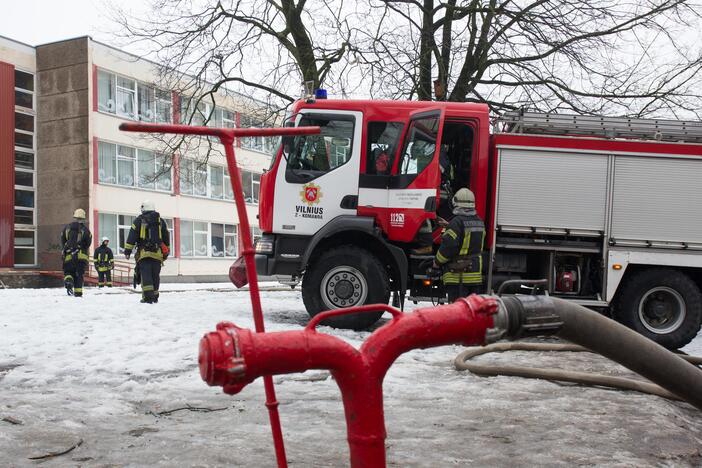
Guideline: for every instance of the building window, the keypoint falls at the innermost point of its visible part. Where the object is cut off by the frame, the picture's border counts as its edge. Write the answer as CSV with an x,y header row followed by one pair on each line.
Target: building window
x,y
266,145
196,236
193,238
164,106
228,118
128,98
251,183
217,182
205,114
129,167
25,247
228,190
223,240
116,228
256,234
24,89
106,92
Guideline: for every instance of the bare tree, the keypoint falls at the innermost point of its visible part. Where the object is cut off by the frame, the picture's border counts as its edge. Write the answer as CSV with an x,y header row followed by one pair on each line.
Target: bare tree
x,y
630,57
636,57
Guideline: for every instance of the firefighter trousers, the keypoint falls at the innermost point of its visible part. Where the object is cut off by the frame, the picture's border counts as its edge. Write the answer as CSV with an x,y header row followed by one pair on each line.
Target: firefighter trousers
x,y
73,271
105,278
150,271
455,291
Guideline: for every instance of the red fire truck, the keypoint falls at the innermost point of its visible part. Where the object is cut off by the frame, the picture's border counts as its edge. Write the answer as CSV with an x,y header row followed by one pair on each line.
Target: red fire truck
x,y
606,212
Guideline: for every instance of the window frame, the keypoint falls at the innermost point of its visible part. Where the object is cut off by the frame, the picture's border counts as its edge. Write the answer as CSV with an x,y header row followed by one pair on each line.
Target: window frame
x,y
31,92
159,160
160,97
24,227
229,232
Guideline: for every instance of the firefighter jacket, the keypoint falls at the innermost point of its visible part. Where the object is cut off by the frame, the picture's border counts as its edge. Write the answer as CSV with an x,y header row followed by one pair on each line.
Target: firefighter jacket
x,y
149,234
460,252
75,242
103,258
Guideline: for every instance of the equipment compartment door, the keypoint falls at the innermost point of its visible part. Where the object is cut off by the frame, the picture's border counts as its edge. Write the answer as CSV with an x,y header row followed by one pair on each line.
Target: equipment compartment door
x,y
414,186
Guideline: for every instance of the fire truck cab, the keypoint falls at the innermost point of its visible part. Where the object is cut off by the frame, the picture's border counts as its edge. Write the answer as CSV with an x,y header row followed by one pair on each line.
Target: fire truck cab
x,y
567,206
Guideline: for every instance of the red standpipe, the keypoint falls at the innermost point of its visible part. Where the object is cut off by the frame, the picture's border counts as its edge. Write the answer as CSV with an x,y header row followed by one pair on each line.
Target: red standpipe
x,y
233,357
226,136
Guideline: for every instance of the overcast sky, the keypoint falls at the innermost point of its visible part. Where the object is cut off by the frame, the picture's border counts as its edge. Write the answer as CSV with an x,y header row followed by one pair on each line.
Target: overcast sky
x,y
37,22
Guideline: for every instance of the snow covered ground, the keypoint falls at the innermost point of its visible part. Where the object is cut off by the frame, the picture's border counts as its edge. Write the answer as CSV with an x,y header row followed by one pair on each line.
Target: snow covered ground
x,y
100,369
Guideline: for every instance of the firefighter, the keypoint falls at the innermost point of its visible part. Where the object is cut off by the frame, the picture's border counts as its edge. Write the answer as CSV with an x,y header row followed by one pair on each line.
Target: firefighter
x,y
149,234
460,254
75,241
104,263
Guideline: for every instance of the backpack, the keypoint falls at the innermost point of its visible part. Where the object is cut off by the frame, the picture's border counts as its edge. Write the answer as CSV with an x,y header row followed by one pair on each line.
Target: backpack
x,y
150,232
74,237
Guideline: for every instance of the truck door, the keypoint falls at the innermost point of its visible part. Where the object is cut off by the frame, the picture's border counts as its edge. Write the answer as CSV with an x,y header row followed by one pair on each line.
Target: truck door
x,y
318,179
414,185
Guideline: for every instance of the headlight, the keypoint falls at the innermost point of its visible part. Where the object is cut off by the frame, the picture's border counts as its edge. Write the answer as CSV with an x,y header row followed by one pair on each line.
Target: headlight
x,y
264,245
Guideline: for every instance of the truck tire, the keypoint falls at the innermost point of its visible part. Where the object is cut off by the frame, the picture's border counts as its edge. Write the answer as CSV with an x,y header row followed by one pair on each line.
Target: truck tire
x,y
664,305
345,276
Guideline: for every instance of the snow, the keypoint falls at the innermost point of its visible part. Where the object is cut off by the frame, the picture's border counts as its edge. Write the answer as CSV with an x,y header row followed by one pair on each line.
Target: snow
x,y
101,368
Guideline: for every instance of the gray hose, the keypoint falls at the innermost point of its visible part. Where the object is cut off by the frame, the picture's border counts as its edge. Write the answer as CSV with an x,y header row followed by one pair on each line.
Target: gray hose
x,y
462,362
538,315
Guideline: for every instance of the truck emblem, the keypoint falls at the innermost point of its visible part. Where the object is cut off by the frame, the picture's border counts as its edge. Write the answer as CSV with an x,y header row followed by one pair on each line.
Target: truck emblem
x,y
310,194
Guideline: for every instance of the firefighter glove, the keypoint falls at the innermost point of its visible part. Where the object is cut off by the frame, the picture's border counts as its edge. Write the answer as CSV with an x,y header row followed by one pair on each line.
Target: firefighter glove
x,y
127,253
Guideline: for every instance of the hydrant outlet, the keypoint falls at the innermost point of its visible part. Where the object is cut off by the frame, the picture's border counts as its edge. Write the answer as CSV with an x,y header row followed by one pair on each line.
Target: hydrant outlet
x,y
219,359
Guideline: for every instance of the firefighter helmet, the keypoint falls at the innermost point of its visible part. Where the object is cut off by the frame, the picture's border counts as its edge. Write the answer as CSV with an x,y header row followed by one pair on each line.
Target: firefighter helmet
x,y
464,198
79,213
148,205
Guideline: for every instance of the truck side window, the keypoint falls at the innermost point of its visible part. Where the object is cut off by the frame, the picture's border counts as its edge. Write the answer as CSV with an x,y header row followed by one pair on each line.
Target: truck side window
x,y
326,151
383,140
421,144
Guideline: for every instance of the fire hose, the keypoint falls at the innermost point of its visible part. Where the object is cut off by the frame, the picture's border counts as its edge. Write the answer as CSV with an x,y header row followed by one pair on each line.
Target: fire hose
x,y
676,376
462,362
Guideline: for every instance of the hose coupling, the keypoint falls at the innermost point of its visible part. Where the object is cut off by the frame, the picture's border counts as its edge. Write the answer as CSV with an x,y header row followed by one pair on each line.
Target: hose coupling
x,y
522,316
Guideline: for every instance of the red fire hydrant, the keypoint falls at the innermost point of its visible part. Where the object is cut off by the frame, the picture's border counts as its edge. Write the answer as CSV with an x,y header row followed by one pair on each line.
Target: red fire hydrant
x,y
233,357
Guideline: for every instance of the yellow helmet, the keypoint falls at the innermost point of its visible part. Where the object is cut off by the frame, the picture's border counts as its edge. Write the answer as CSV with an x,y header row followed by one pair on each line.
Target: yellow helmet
x,y
79,213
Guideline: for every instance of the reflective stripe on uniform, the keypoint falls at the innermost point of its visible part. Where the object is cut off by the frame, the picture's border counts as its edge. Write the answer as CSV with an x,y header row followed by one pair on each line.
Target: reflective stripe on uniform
x,y
147,287
440,258
451,233
465,278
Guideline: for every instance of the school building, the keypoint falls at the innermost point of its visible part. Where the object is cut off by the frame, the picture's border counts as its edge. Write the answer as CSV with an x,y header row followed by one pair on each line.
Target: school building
x,y
60,149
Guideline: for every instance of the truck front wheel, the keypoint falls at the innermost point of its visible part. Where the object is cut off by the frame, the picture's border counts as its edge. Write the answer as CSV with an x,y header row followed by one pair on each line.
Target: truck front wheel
x,y
663,305
345,276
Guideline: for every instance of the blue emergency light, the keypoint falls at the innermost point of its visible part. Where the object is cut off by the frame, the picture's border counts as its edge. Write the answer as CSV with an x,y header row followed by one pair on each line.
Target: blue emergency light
x,y
320,93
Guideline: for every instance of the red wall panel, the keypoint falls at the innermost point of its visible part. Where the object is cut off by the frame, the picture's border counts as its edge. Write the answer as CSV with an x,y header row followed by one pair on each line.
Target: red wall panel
x,y
7,164
96,173
96,230
175,242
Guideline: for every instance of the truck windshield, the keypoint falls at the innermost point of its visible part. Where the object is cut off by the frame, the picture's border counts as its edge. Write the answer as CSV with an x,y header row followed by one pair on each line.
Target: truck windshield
x,y
326,151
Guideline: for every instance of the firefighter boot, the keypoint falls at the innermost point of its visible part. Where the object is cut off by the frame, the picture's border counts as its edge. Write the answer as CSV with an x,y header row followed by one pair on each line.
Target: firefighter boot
x,y
147,297
78,292
68,284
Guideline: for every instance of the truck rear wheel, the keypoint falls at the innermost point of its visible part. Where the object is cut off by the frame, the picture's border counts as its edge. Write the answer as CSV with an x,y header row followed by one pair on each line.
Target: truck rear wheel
x,y
663,305
345,276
